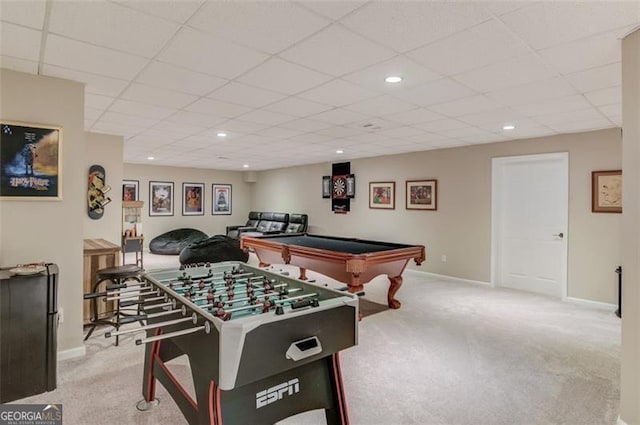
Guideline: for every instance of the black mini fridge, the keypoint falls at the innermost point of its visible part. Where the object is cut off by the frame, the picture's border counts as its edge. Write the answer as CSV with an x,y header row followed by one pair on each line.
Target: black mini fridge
x,y
28,333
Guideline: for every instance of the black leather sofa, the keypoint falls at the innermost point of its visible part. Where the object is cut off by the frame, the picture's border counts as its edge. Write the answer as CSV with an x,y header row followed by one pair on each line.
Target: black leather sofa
x,y
269,223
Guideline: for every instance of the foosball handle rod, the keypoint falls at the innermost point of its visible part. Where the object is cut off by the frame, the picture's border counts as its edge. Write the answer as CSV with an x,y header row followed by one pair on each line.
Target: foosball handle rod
x,y
206,327
147,327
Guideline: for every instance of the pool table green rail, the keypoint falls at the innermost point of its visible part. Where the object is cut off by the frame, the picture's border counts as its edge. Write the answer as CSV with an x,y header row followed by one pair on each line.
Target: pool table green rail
x,y
353,269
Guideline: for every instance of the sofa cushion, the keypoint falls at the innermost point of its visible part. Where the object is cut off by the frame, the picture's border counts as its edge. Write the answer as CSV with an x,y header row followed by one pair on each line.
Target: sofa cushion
x,y
174,241
297,223
213,250
254,218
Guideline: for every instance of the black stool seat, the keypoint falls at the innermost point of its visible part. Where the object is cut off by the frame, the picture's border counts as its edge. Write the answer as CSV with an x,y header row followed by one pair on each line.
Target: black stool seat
x,y
119,272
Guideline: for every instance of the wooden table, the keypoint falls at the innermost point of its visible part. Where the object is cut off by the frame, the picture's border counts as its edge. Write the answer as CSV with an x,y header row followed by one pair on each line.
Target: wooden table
x,y
98,254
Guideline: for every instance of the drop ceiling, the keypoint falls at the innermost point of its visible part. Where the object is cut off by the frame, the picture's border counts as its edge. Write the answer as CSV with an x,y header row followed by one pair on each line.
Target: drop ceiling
x,y
292,82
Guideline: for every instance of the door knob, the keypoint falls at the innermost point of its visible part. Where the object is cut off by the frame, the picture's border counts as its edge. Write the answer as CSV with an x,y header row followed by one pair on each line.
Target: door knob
x,y
559,235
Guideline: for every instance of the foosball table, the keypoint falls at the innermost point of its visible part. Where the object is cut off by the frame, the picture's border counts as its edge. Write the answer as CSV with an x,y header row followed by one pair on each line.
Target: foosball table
x,y
261,346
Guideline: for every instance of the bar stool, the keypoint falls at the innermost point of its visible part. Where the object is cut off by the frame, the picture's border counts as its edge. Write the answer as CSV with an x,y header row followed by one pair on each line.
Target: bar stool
x,y
114,278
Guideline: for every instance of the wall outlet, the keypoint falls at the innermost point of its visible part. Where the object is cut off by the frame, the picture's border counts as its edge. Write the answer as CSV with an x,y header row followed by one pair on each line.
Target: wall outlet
x,y
60,315
443,258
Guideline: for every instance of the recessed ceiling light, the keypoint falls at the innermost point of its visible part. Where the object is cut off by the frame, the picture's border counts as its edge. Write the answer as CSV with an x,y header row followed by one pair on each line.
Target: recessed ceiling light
x,y
222,134
339,151
245,166
393,79
150,158
508,127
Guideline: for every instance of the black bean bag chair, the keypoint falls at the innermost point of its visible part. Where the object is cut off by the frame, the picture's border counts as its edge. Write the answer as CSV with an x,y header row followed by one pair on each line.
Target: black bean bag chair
x,y
174,241
213,250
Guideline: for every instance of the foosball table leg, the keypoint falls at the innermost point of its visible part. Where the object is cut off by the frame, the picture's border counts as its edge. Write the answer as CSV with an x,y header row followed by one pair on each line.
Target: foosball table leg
x,y
144,405
338,414
149,381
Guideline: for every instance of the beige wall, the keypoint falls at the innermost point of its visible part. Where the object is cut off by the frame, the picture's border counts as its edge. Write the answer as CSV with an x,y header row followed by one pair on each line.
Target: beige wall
x,y
105,150
208,223
50,230
630,372
461,228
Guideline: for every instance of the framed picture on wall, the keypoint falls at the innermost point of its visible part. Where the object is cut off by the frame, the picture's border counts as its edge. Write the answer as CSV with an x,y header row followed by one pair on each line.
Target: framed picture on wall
x,y
221,199
422,195
160,198
382,195
130,190
192,198
30,161
606,191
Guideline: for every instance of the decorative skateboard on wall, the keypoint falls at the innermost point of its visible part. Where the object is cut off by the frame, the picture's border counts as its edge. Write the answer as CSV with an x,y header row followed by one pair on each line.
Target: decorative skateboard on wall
x,y
96,192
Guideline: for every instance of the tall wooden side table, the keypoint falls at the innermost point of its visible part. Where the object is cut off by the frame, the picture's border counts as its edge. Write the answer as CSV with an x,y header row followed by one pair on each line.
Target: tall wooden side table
x,y
98,254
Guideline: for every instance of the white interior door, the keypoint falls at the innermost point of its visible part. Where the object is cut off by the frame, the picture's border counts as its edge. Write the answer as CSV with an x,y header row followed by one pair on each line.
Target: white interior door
x,y
530,213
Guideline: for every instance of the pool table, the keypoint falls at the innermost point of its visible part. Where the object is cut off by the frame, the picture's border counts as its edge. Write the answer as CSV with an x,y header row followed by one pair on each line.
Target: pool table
x,y
352,261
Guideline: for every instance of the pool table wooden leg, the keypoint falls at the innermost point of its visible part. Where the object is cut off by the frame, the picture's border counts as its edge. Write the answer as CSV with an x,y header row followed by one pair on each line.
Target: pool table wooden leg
x,y
395,284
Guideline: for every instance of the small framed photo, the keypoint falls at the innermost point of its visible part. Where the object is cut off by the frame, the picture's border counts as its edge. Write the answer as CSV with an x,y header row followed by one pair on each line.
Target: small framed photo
x,y
221,199
192,198
30,162
160,198
326,186
422,195
130,190
606,191
382,195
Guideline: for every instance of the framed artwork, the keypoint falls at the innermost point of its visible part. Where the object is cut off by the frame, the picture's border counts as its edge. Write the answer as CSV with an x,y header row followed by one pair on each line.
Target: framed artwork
x,y
606,191
382,195
326,186
30,161
422,195
192,198
160,198
221,199
130,190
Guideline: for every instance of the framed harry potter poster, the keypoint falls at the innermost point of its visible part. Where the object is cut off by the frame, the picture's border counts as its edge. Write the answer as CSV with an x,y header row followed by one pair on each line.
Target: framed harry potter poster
x,y
30,161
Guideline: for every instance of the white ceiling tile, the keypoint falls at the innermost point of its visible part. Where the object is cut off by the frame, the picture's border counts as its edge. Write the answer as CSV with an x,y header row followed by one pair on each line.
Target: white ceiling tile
x,y
578,126
110,25
533,92
336,51
306,125
597,78
173,10
266,117
19,42
522,70
494,117
297,107
497,126
415,116
529,132
340,132
88,123
332,9
20,65
194,118
338,93
168,76
283,77
439,91
97,101
401,132
484,44
245,95
442,125
466,105
564,104
373,77
477,139
611,111
608,96
101,126
373,124
202,52
266,26
141,109
156,96
404,26
339,116
27,13
280,132
92,113
96,84
426,138
551,120
467,133
183,130
367,138
160,137
133,122
545,24
502,7
73,54
218,108
383,105
243,127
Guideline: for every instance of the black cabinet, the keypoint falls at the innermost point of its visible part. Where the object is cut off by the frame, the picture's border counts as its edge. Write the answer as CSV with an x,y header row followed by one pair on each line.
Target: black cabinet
x,y
28,333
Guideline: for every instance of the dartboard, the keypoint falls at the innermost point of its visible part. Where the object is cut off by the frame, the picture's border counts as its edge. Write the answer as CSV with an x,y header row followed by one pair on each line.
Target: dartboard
x,y
339,187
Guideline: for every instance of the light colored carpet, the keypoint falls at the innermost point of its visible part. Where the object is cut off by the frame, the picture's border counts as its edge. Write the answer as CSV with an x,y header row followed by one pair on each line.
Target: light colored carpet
x,y
454,354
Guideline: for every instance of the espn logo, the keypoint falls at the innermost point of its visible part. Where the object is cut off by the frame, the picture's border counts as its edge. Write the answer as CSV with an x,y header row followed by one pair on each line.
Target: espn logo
x,y
277,392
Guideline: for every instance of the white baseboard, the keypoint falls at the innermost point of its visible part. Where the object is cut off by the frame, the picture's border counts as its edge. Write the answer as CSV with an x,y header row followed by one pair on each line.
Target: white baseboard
x,y
72,353
620,421
593,304
444,276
